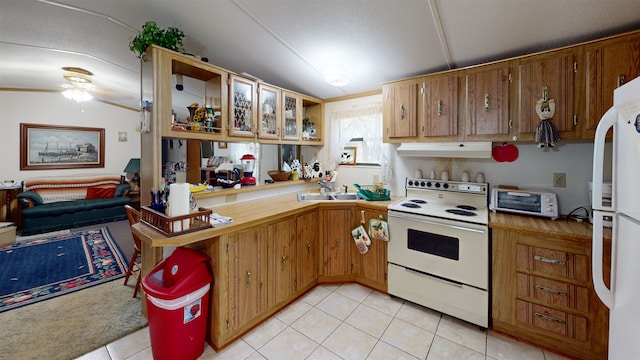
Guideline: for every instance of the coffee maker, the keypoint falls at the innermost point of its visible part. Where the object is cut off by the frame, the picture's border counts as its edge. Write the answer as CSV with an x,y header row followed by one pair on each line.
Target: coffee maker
x,y
248,163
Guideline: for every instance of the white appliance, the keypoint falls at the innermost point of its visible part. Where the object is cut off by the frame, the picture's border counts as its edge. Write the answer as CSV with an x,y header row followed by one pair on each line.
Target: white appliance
x,y
439,256
623,296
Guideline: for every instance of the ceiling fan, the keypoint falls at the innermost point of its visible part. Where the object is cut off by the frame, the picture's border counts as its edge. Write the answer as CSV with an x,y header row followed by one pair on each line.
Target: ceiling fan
x,y
79,86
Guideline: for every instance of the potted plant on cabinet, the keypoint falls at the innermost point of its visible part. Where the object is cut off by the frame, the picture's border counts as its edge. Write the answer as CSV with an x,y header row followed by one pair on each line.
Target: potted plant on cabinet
x,y
171,38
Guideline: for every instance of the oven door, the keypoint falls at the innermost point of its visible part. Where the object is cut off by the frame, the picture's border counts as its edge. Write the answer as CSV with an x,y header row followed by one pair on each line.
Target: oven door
x,y
452,250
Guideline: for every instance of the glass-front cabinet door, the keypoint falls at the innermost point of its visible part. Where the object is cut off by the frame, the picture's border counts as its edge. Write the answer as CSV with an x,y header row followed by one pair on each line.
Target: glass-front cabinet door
x,y
269,112
242,114
292,118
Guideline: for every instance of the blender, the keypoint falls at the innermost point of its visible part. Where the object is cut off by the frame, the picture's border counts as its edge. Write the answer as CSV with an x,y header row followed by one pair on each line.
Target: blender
x,y
248,162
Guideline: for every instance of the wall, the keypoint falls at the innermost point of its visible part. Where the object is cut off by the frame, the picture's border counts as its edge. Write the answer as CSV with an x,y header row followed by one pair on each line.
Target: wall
x,y
52,109
533,169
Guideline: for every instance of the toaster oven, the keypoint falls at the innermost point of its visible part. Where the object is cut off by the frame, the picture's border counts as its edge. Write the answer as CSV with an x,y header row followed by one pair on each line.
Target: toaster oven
x,y
526,202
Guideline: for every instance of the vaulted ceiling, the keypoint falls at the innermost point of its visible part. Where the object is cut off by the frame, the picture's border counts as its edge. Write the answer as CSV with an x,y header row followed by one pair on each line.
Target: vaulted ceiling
x,y
292,43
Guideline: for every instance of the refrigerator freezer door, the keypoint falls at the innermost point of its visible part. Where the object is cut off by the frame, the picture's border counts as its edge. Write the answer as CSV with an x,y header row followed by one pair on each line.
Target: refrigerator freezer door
x,y
624,319
626,178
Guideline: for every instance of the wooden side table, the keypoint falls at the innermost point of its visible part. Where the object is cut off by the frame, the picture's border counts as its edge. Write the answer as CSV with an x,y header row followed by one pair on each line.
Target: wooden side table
x,y
135,199
11,209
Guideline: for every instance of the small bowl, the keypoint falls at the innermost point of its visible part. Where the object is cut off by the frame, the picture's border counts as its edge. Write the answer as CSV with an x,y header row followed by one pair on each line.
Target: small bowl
x,y
279,175
227,183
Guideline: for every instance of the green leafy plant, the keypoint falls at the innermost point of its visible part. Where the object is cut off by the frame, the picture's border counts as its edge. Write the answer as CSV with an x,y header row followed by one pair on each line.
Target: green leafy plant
x,y
171,38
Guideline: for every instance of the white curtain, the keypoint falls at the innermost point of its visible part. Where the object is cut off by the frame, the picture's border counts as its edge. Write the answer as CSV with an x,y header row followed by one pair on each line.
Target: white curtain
x,y
362,121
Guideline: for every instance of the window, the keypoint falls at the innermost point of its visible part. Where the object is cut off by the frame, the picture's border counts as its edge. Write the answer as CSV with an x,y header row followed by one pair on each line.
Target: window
x,y
359,127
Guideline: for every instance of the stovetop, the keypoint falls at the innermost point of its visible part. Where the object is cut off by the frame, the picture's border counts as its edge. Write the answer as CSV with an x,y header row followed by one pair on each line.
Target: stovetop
x,y
454,200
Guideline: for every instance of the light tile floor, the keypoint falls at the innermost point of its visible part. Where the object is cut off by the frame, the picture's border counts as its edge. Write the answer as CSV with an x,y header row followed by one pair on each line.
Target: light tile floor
x,y
350,322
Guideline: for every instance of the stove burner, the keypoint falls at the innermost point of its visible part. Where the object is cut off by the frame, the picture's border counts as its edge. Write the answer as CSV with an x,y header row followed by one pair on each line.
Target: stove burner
x,y
467,207
418,201
411,205
460,212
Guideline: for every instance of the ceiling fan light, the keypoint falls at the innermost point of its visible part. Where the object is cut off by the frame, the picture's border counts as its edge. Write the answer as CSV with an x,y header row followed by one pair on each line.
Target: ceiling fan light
x,y
77,95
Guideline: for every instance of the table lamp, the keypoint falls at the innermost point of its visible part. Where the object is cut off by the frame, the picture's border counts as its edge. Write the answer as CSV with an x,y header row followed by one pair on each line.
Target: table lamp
x,y
133,167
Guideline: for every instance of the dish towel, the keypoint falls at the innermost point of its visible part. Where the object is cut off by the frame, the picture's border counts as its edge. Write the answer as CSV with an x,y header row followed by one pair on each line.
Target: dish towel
x,y
361,238
546,134
219,220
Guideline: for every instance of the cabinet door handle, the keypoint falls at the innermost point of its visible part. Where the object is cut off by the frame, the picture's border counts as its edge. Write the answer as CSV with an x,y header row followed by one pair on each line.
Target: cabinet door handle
x,y
439,107
486,101
308,248
248,277
401,111
549,260
575,120
510,124
337,242
549,318
551,290
283,259
620,80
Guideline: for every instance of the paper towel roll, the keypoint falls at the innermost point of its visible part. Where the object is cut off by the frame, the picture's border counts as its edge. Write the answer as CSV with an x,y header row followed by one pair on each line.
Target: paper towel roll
x,y
179,195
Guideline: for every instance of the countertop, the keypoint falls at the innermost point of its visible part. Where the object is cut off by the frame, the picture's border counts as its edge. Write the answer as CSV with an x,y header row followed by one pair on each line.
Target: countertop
x,y
249,213
560,227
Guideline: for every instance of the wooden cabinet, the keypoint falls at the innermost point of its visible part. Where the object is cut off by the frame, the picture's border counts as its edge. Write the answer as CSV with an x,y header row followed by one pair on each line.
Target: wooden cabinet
x,y
440,109
9,207
336,243
371,268
242,106
609,63
247,276
550,75
488,103
281,240
542,292
307,239
400,109
269,112
291,116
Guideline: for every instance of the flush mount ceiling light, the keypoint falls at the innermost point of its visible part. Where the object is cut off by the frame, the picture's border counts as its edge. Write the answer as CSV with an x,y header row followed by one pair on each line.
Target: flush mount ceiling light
x,y
336,76
79,84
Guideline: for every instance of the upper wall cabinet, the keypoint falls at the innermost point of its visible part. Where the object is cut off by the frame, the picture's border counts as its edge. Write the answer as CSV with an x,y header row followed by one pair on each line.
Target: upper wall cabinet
x,y
292,116
242,107
439,108
269,112
400,109
610,63
548,76
487,108
312,121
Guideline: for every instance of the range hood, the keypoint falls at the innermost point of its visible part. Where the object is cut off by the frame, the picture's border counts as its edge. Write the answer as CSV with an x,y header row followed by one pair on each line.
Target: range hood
x,y
471,150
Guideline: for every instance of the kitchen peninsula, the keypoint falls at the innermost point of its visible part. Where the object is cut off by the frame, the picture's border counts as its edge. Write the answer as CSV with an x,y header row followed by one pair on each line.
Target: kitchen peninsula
x,y
276,249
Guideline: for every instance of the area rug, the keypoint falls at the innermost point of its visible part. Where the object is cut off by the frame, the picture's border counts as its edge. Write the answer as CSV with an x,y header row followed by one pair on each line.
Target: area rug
x,y
42,268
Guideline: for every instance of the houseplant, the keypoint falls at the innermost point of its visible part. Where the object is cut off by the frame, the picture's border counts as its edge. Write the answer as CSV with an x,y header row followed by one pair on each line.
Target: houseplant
x,y
170,38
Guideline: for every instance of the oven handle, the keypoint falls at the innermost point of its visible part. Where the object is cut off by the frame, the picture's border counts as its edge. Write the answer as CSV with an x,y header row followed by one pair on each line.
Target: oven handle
x,y
439,279
438,224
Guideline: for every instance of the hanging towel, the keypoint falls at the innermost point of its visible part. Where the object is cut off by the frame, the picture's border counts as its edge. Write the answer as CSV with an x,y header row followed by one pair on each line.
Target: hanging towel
x,y
546,134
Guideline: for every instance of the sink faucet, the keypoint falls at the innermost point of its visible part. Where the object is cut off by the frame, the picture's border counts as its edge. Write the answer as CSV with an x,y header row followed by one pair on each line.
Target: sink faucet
x,y
325,185
346,188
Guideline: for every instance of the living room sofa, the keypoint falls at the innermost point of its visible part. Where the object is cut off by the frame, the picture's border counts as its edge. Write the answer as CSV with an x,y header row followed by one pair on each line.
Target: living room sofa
x,y
58,203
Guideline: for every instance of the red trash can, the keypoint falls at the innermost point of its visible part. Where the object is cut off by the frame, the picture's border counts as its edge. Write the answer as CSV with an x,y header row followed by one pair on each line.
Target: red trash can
x,y
177,293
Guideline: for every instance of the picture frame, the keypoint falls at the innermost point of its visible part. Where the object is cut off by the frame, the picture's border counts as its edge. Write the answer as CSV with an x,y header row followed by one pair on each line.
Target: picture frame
x,y
47,147
222,144
287,153
348,155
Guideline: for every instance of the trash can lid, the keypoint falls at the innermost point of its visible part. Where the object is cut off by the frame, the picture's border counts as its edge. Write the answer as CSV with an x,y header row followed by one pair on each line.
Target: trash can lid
x,y
181,263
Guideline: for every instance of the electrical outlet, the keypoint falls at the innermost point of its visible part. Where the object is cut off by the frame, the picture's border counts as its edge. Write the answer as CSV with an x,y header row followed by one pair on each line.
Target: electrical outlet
x,y
559,180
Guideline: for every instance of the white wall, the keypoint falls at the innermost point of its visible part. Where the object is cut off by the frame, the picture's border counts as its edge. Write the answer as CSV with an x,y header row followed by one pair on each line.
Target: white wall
x,y
53,109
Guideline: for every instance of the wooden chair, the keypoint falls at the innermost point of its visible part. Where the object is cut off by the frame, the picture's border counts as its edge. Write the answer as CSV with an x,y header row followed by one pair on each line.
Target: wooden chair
x,y
135,268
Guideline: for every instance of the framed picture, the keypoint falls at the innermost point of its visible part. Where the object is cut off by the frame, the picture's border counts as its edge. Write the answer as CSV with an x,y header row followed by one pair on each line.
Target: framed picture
x,y
44,147
288,153
348,156
122,137
222,145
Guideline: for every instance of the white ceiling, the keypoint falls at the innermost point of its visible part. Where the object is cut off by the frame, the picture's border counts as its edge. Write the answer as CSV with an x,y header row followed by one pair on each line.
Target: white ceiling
x,y
291,43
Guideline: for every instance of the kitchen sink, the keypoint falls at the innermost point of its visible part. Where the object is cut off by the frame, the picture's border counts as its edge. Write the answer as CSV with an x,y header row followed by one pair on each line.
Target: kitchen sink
x,y
327,196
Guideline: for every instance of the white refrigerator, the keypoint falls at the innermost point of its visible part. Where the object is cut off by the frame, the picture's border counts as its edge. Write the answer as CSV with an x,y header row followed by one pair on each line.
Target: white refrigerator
x,y
623,295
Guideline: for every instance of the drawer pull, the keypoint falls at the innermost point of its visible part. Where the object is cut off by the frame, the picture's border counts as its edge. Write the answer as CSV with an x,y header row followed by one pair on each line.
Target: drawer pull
x,y
550,290
549,318
549,260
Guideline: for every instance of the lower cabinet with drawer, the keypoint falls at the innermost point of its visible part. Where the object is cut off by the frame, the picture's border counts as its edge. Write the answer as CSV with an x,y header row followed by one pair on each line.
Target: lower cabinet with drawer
x,y
542,292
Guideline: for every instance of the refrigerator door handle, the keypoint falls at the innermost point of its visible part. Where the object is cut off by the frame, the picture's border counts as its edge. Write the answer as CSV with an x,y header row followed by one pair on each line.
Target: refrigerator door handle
x,y
605,294
608,121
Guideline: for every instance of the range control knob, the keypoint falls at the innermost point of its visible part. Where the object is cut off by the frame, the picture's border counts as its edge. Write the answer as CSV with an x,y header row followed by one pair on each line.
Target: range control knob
x,y
446,185
428,183
410,183
438,185
422,183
